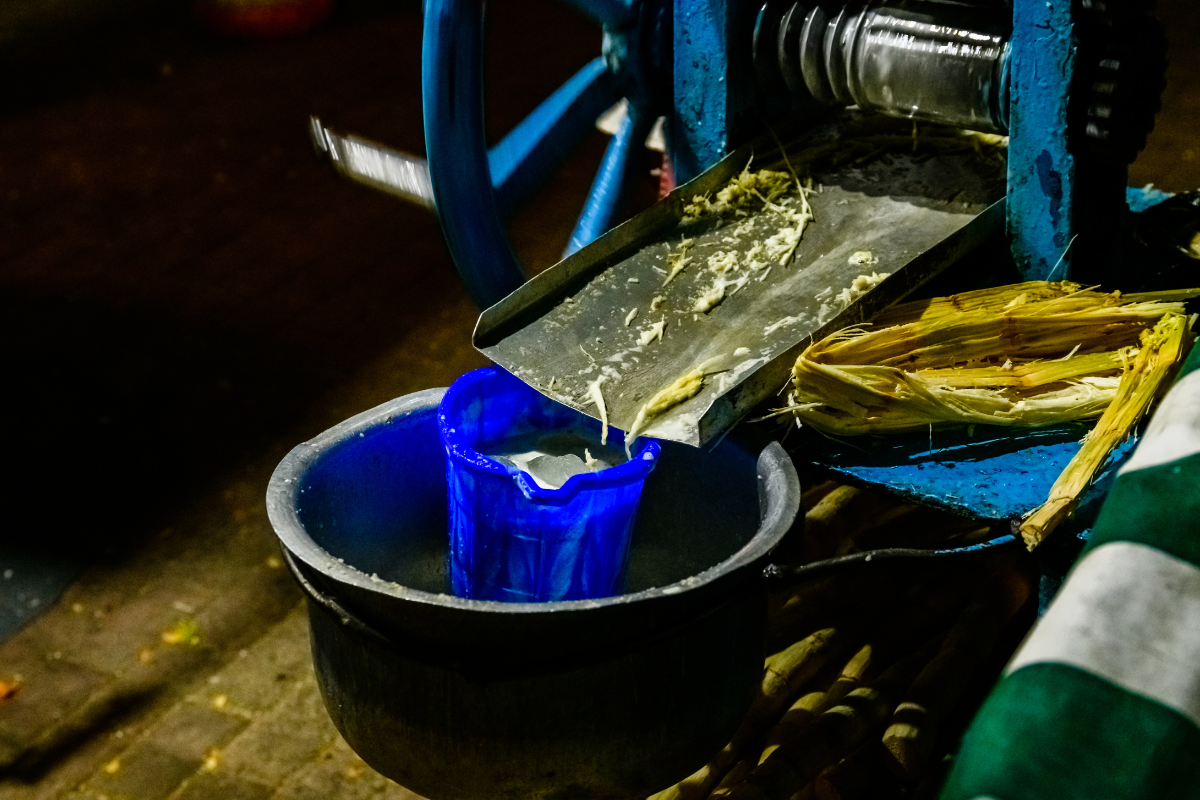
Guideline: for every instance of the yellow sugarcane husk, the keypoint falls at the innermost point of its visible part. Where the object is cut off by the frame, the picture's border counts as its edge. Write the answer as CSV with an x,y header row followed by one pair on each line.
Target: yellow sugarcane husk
x,y
1161,350
1005,360
1026,355
990,299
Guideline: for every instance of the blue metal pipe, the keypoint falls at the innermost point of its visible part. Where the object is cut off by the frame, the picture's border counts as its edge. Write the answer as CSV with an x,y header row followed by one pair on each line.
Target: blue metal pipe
x,y
539,143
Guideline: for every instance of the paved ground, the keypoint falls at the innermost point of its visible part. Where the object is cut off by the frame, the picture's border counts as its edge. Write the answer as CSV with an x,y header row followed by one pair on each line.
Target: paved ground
x,y
185,293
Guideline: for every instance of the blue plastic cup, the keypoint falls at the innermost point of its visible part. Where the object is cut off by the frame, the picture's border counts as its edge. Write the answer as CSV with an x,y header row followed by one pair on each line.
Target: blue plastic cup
x,y
516,541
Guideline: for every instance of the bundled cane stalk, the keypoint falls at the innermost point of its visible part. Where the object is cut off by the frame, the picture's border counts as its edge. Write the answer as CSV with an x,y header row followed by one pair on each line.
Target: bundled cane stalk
x,y
833,735
859,775
810,705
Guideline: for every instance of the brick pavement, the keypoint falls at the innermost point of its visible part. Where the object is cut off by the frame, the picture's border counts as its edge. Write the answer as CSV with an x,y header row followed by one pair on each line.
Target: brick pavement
x,y
252,730
116,698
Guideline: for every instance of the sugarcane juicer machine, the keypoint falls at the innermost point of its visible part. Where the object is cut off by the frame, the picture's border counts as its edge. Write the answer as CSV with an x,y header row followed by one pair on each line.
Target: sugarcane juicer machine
x,y
1074,84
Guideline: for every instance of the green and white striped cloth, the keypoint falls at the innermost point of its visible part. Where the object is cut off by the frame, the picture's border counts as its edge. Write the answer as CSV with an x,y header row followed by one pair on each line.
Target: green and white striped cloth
x,y
1102,700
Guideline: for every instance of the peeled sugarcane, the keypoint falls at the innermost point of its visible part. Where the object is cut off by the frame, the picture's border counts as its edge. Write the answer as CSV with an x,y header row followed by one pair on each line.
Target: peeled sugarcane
x,y
833,735
987,300
912,735
786,672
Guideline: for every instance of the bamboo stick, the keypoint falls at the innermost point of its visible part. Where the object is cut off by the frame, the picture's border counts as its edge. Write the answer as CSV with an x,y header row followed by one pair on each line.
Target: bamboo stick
x,y
912,734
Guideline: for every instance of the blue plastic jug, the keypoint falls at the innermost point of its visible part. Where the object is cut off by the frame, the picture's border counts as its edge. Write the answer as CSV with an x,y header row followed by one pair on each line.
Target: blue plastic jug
x,y
512,539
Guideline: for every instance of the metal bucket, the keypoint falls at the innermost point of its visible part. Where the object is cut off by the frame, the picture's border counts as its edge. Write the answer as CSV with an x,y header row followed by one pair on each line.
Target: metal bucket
x,y
463,700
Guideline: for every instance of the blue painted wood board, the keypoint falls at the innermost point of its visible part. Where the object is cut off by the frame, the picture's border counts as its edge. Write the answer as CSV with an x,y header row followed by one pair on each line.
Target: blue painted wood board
x,y
994,473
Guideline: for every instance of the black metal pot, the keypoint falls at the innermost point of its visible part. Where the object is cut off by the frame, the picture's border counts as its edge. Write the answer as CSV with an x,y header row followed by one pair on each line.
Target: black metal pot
x,y
461,699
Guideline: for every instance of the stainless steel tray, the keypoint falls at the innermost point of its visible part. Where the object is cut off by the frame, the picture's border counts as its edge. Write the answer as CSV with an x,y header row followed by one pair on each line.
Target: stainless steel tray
x,y
916,212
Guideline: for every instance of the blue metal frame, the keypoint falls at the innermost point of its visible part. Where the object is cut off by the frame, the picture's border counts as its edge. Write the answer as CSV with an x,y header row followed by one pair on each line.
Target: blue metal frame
x,y
711,102
611,186
1041,170
713,88
520,161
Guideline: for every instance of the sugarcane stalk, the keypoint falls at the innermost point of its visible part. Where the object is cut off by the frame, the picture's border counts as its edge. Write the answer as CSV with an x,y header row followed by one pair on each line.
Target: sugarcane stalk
x,y
915,621
1022,355
845,511
823,505
732,778
910,738
814,495
786,672
824,601
840,512
918,526
833,735
810,705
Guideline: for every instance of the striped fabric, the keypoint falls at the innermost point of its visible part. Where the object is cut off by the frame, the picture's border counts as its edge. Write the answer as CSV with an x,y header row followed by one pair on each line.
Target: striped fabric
x,y
1102,700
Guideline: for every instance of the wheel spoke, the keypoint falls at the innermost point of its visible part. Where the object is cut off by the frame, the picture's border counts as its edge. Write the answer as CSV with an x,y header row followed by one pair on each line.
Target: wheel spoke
x,y
538,144
609,13
612,180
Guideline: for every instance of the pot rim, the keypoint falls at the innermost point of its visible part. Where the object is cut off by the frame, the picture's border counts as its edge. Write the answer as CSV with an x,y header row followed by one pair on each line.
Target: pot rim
x,y
286,483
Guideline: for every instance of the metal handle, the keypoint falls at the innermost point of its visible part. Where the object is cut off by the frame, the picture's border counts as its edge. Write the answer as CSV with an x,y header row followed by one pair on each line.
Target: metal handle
x,y
391,171
345,617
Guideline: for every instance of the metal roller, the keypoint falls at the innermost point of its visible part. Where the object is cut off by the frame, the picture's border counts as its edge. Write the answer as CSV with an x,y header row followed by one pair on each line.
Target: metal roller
x,y
934,61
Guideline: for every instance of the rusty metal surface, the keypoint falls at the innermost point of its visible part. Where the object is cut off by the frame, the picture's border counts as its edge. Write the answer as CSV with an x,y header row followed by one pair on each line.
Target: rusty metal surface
x,y
566,328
